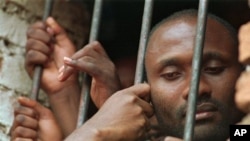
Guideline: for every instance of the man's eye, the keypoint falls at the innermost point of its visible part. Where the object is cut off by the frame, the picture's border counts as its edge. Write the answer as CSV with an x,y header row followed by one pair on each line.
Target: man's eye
x,y
171,75
214,70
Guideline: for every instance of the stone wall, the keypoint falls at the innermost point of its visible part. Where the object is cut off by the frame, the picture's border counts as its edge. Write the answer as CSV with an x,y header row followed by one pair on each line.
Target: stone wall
x,y
15,17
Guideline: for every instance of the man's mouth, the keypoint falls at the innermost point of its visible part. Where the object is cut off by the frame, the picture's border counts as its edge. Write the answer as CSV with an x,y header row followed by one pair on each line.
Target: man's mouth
x,y
205,111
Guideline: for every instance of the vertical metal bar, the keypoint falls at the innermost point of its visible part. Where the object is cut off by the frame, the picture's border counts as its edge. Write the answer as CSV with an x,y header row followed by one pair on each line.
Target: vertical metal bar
x,y
38,69
196,66
146,22
85,94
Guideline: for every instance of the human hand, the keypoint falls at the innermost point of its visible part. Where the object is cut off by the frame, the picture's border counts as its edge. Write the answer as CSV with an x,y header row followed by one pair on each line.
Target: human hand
x,y
34,122
93,60
124,116
242,97
47,43
172,139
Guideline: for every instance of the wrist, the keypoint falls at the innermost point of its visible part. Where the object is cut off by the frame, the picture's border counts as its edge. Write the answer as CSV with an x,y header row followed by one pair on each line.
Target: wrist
x,y
69,90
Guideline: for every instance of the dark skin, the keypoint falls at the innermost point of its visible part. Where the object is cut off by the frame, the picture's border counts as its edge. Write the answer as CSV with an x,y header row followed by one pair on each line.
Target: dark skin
x,y
48,45
168,64
33,122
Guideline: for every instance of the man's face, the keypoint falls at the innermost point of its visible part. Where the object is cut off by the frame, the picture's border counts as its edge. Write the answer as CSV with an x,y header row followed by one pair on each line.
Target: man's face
x,y
169,65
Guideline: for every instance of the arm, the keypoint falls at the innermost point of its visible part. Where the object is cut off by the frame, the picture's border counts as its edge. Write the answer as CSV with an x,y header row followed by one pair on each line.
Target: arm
x,y
124,116
93,60
47,44
34,122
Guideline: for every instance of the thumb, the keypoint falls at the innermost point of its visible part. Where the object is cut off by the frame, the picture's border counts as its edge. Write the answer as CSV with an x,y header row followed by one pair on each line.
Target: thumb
x,y
43,112
172,139
141,90
57,30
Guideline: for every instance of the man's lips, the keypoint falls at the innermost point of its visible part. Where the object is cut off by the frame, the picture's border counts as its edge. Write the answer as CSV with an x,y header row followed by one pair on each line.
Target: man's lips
x,y
205,111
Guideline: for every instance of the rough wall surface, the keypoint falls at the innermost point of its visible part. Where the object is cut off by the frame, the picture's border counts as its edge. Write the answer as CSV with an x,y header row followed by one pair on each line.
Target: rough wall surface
x,y
15,17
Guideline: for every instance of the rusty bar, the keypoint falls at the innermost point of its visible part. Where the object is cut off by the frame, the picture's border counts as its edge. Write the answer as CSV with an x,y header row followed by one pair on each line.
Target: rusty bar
x,y
38,69
196,67
85,94
146,22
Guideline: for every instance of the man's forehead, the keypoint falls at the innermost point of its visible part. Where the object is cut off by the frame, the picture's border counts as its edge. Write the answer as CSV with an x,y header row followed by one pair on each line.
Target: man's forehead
x,y
184,27
171,31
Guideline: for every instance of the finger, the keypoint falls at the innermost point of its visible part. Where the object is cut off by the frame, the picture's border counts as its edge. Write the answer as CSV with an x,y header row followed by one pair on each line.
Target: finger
x,y
43,112
22,139
37,45
143,92
88,50
242,97
24,133
65,72
85,64
87,55
38,33
33,58
99,48
26,121
172,139
38,25
148,124
24,101
147,108
25,111
57,30
140,90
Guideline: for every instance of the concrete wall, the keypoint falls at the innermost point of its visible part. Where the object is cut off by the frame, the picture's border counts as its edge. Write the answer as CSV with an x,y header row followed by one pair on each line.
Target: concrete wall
x,y
15,17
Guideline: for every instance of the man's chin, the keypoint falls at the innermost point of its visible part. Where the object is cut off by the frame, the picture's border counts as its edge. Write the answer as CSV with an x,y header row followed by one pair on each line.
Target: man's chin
x,y
207,131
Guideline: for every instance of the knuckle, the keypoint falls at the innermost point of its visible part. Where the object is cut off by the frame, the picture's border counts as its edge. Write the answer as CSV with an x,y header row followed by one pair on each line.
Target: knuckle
x,y
87,49
30,54
31,31
142,123
20,119
97,45
19,131
138,110
131,98
30,43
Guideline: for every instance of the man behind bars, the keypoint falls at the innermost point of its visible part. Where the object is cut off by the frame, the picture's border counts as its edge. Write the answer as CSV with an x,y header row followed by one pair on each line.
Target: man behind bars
x,y
168,62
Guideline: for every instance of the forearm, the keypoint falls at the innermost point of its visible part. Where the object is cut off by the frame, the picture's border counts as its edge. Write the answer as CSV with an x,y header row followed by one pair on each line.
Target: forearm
x,y
65,105
89,131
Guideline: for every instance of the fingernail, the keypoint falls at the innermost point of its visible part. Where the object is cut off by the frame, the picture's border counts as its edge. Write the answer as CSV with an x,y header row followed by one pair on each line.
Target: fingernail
x,y
50,20
67,59
50,31
23,98
61,69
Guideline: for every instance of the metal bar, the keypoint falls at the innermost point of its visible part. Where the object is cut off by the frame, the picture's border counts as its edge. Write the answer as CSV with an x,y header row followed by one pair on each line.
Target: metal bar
x,y
85,94
146,22
38,69
196,67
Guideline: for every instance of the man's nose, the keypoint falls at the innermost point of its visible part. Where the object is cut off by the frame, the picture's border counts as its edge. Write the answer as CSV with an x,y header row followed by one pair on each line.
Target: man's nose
x,y
203,90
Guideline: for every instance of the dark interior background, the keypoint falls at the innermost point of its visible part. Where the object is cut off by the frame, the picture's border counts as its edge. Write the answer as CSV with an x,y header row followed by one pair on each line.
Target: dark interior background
x,y
121,19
